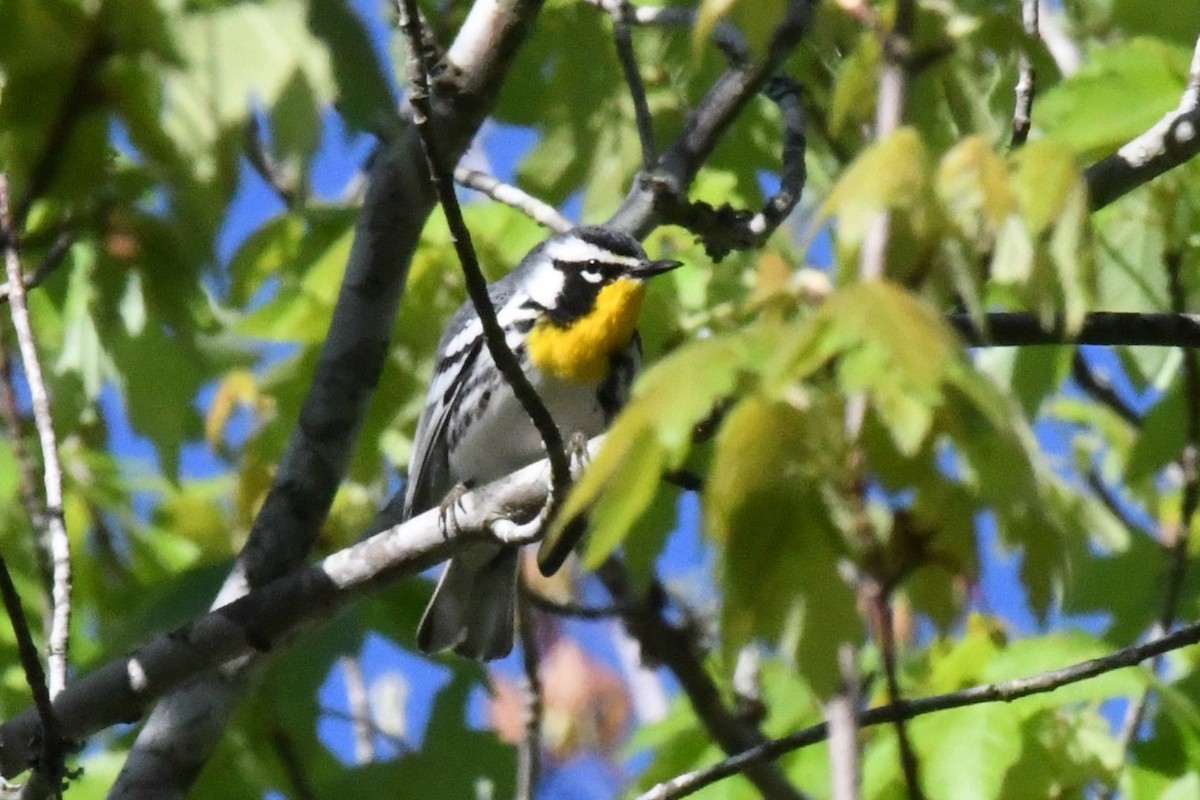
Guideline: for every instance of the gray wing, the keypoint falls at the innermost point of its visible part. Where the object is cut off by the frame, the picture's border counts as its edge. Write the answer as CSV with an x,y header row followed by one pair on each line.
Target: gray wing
x,y
429,477
429,470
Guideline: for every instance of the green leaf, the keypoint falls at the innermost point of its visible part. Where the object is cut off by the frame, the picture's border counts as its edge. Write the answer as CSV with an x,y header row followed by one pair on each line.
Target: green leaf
x,y
1120,91
365,95
652,434
765,504
966,752
1161,438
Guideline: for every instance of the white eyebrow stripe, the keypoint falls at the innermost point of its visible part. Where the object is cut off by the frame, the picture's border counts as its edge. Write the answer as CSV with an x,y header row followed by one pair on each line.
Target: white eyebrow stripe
x,y
577,251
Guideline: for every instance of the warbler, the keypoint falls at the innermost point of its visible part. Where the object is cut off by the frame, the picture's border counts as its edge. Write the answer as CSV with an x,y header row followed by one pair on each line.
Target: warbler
x,y
569,311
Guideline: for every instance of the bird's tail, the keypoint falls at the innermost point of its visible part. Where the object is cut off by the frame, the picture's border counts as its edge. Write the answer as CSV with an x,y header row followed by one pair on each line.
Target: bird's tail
x,y
474,604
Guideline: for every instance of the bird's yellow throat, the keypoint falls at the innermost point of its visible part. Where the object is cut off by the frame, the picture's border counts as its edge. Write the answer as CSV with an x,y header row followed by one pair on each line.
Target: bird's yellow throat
x,y
582,353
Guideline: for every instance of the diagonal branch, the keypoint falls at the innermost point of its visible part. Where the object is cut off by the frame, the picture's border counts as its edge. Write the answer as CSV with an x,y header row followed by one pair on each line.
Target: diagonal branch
x,y
622,15
48,759
1005,692
1171,141
441,175
267,617
675,647
656,193
539,211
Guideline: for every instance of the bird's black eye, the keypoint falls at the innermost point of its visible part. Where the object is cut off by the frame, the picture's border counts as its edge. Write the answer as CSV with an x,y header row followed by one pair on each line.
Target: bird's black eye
x,y
593,263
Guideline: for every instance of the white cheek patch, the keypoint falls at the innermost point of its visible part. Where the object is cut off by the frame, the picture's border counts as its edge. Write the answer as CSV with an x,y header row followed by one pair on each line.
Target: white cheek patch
x,y
578,251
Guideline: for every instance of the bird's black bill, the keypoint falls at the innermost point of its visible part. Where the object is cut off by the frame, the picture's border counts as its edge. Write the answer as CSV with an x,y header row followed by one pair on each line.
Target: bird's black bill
x,y
648,269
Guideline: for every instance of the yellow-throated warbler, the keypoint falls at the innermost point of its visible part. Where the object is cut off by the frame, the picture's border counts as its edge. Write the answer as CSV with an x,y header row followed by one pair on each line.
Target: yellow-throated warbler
x,y
569,311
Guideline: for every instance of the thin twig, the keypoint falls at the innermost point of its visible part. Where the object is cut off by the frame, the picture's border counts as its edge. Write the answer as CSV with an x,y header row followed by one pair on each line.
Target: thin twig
x,y
48,764
53,259
1177,553
269,168
1100,389
442,179
529,752
1026,76
565,609
31,499
1096,483
359,702
1006,691
886,630
540,212
622,15
56,531
677,648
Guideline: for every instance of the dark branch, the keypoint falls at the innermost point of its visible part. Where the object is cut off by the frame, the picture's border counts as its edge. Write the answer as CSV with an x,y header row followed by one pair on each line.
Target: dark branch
x,y
441,173
654,194
676,648
633,77
725,228
1101,390
47,752
1173,140
1018,329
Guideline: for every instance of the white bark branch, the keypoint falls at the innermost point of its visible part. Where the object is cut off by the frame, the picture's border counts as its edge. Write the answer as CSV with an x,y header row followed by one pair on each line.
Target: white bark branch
x,y
1170,142
55,528
267,617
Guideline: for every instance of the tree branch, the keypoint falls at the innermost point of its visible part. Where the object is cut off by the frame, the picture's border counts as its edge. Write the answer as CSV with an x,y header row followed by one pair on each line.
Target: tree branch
x,y
540,212
420,95
1101,390
675,648
621,16
268,616
1017,329
1007,692
529,752
55,526
655,194
47,755
1172,140
1026,77
726,228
